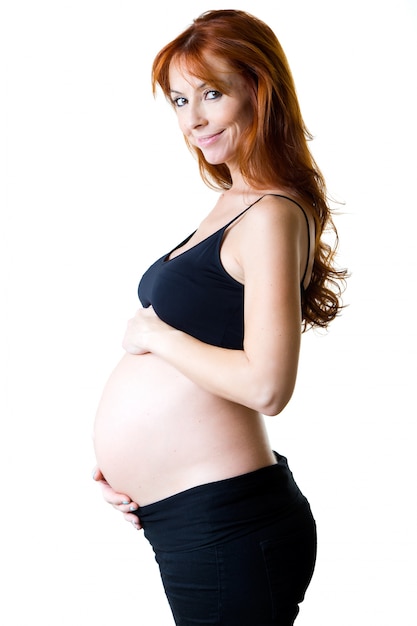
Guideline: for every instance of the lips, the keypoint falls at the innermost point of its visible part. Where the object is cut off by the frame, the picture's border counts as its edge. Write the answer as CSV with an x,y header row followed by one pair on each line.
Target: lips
x,y
208,140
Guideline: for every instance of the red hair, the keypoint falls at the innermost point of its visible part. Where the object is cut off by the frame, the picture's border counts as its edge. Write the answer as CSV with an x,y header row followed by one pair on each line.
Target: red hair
x,y
274,152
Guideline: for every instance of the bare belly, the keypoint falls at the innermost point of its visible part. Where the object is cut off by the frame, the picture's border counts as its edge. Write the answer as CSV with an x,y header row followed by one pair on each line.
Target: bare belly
x,y
156,433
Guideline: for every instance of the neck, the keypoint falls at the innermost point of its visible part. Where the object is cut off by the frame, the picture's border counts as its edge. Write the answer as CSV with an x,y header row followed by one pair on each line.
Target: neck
x,y
239,184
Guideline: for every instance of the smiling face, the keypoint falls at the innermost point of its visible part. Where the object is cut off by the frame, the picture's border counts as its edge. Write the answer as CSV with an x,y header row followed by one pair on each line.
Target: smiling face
x,y
212,120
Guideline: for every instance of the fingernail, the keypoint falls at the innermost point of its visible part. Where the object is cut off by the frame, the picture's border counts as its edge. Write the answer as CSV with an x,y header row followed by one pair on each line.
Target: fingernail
x,y
125,501
133,508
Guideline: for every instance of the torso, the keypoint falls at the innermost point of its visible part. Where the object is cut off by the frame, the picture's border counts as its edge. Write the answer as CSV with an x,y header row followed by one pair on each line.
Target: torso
x,y
157,433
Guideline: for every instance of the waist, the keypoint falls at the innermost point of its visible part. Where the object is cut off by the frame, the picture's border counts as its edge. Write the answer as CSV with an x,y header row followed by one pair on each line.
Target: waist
x,y
223,510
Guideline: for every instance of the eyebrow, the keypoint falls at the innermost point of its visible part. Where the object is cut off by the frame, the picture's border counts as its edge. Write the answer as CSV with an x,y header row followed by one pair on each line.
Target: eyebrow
x,y
180,93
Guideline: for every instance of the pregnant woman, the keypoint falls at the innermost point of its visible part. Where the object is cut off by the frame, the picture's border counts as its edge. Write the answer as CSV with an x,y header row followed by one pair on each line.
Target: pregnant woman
x,y
180,440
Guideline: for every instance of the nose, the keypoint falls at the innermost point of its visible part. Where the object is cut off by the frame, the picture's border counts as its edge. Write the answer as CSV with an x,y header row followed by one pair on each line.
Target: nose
x,y
195,116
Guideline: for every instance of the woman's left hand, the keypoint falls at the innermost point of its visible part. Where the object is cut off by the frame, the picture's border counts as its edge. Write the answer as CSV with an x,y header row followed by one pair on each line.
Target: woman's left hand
x,y
140,330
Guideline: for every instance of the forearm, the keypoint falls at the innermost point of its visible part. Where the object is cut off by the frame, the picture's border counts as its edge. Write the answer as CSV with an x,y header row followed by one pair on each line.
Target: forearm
x,y
260,377
230,374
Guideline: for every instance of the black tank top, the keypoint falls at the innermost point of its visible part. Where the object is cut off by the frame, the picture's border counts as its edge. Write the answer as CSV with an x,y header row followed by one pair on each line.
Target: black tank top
x,y
193,292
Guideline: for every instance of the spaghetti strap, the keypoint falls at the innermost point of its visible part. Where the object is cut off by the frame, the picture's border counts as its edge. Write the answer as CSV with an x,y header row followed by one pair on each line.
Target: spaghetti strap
x,y
242,213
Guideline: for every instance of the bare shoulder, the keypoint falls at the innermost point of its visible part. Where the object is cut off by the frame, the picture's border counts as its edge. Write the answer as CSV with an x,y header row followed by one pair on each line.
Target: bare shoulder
x,y
276,232
276,216
278,209
273,232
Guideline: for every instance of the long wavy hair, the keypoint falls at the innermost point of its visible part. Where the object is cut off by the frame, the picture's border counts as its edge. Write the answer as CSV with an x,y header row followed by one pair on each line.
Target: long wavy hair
x,y
274,151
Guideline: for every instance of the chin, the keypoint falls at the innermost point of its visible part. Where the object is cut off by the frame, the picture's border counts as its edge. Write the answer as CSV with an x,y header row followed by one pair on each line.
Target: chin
x,y
215,160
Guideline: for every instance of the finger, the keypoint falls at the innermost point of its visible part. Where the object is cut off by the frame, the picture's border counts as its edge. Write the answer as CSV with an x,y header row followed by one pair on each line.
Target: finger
x,y
133,519
115,498
126,506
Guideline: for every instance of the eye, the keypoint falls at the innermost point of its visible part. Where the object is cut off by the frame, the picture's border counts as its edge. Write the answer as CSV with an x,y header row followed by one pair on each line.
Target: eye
x,y
212,94
179,102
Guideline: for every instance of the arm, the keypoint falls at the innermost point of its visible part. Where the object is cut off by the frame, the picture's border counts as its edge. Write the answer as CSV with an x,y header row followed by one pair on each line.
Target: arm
x,y
268,245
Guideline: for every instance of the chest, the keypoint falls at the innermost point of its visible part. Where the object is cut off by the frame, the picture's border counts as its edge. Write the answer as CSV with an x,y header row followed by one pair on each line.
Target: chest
x,y
194,293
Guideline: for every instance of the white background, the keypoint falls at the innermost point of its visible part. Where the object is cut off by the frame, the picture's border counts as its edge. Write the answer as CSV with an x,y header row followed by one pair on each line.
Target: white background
x,y
95,184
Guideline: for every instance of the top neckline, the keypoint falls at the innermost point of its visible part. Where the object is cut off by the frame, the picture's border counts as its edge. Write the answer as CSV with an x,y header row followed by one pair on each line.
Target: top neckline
x,y
167,259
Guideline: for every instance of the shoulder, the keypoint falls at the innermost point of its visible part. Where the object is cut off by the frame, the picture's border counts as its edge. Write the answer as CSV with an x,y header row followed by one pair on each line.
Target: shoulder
x,y
271,234
274,236
275,208
276,216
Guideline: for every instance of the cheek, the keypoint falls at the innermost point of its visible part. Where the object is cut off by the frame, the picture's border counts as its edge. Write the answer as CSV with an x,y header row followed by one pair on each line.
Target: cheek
x,y
181,119
180,122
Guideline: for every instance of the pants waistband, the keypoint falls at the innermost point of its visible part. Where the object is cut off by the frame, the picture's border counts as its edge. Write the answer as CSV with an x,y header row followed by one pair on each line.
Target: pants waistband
x,y
220,511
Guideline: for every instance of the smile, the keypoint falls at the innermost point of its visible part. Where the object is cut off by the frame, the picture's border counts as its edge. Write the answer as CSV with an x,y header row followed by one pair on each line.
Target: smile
x,y
203,142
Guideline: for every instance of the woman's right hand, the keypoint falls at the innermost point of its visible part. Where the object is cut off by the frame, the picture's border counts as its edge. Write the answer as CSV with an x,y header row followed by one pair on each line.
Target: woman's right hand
x,y
121,502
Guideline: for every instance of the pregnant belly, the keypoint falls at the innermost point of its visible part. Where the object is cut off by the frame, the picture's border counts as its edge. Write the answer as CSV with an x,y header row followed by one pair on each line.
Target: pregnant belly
x,y
156,433
135,427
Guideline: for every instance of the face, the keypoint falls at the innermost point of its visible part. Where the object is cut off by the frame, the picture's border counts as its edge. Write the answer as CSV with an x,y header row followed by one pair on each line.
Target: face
x,y
210,120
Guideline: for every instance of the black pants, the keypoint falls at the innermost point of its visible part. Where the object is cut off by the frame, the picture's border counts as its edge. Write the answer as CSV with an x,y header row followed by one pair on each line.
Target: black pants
x,y
237,552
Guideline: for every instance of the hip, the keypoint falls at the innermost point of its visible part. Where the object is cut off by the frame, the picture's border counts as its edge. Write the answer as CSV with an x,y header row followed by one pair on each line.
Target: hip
x,y
236,552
